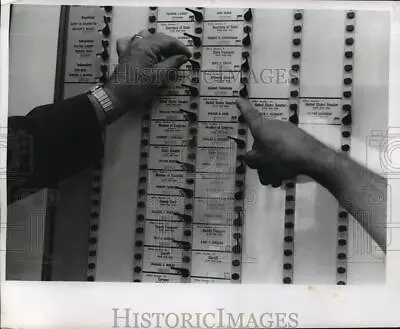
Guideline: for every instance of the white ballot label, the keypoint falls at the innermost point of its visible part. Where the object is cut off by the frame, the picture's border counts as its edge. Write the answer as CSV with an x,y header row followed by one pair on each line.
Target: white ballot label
x,y
165,182
215,134
161,207
218,109
216,265
215,185
169,133
208,280
161,259
177,30
167,108
83,45
212,237
161,278
162,233
174,14
273,109
219,83
166,157
223,14
223,33
214,211
221,58
320,110
216,160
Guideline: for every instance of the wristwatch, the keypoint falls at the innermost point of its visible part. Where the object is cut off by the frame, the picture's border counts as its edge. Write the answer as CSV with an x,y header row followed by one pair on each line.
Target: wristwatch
x,y
107,111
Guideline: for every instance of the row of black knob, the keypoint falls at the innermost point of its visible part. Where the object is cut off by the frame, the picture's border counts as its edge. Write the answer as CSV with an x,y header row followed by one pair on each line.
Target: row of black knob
x,y
347,120
294,119
94,215
199,17
105,55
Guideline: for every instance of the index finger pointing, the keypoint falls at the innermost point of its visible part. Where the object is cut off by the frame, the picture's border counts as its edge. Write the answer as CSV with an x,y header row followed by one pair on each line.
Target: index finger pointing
x,y
253,118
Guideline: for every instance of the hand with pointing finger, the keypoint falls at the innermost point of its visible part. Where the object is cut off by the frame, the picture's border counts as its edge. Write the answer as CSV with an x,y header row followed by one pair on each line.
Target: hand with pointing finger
x,y
145,64
281,150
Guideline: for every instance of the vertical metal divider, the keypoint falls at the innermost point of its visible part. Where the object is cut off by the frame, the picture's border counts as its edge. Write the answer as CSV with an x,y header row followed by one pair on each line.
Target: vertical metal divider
x,y
290,185
51,195
239,196
346,103
143,178
98,167
192,116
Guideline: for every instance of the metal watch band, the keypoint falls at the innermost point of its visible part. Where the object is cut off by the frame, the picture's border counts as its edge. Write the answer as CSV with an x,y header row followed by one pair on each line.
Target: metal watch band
x,y
112,113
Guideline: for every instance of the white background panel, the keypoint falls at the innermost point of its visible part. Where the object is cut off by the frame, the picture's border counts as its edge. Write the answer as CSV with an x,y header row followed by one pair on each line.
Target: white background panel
x,y
322,53
370,117
270,54
24,71
316,222
262,231
118,207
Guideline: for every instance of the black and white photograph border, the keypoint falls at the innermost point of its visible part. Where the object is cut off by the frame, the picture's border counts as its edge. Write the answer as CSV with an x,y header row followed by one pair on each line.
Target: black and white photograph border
x,y
263,299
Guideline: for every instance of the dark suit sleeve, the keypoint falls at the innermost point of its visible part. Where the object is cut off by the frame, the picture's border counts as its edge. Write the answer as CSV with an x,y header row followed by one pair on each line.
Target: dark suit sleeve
x,y
50,143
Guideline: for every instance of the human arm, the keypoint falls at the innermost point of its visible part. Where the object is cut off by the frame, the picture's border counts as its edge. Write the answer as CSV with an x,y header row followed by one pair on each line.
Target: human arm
x,y
57,140
282,151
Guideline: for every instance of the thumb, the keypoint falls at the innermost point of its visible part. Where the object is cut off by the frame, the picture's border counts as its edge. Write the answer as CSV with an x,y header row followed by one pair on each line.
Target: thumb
x,y
123,46
169,66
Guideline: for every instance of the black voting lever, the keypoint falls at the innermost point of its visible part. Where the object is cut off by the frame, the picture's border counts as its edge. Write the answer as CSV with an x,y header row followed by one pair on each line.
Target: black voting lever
x,y
198,16
191,116
193,90
196,40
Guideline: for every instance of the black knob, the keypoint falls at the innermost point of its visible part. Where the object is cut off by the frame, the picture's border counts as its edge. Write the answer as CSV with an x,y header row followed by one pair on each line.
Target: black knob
x,y
347,120
245,66
108,9
103,78
246,40
104,68
196,55
105,43
182,271
191,116
104,55
106,30
294,119
192,142
186,191
236,249
186,165
186,218
193,90
184,244
239,142
196,40
198,16
241,169
195,65
248,15
243,92
237,221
